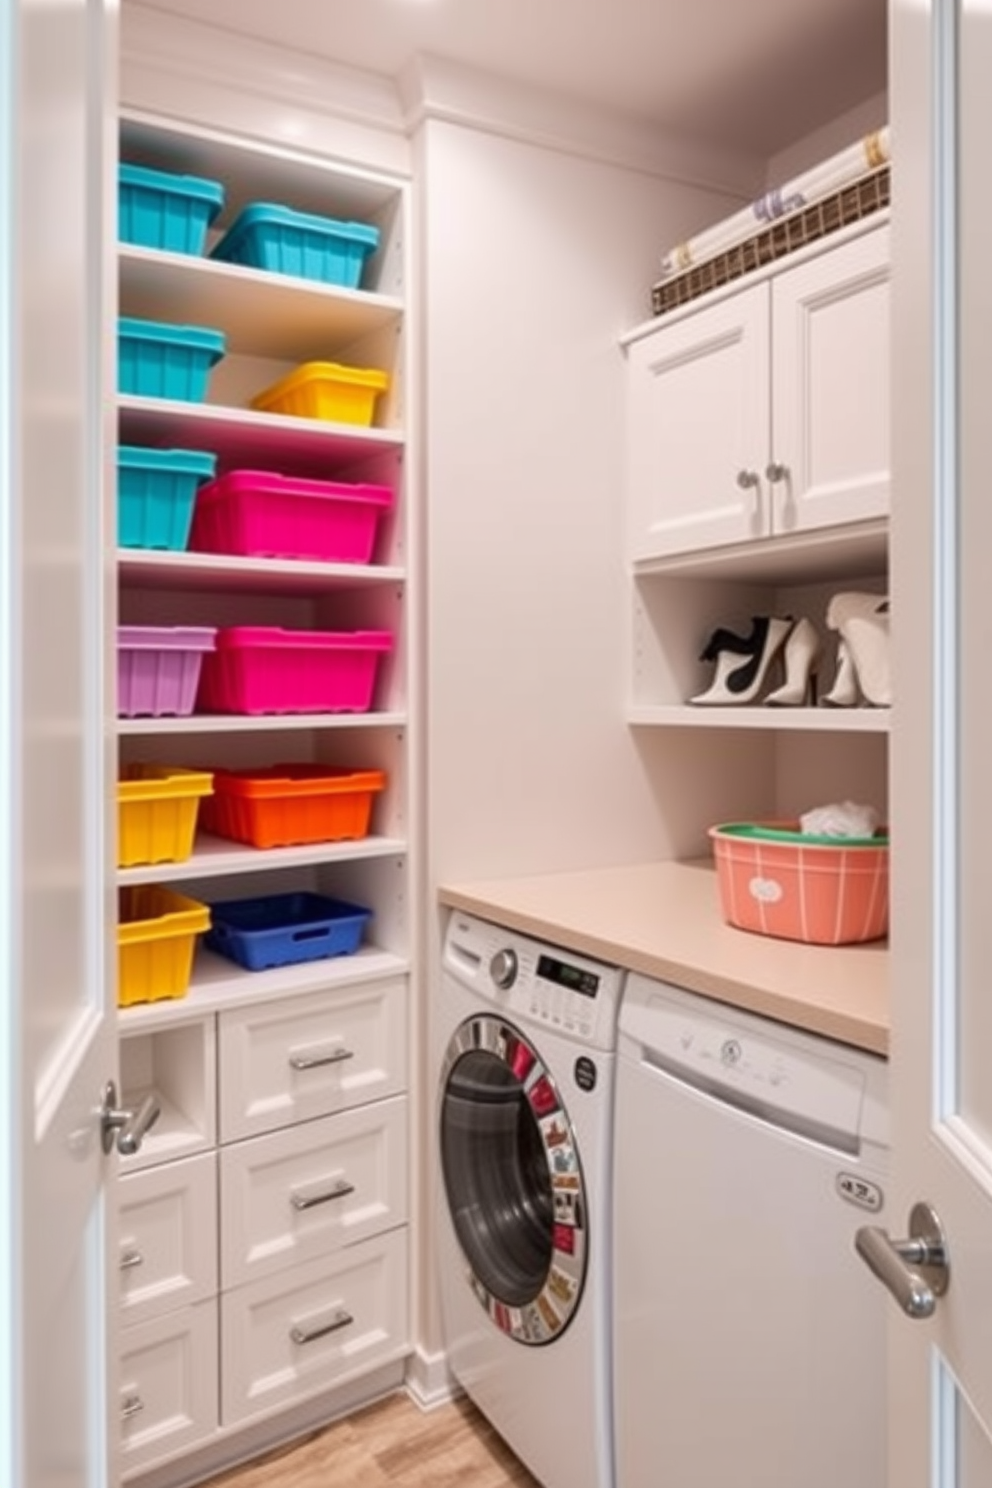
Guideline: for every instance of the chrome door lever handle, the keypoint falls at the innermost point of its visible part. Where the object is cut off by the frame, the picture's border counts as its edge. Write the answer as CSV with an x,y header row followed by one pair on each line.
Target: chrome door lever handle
x,y
128,1126
917,1270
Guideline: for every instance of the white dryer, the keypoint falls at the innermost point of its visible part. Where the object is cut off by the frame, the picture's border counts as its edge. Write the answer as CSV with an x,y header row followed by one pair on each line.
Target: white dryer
x,y
525,1046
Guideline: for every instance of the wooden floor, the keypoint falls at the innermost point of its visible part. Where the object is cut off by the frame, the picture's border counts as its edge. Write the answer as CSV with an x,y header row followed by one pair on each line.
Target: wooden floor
x,y
391,1445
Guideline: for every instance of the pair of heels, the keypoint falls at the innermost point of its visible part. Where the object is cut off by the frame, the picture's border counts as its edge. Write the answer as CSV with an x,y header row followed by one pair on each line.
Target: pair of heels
x,y
744,664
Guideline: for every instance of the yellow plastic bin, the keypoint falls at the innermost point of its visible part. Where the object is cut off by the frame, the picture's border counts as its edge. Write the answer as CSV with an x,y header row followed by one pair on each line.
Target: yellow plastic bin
x,y
156,937
325,390
157,807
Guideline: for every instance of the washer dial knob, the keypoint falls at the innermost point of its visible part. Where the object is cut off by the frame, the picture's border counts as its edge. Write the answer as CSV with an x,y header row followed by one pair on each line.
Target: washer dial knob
x,y
503,968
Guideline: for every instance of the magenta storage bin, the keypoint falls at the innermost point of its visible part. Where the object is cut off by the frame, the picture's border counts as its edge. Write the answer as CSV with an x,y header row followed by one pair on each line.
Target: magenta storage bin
x,y
158,668
262,515
264,669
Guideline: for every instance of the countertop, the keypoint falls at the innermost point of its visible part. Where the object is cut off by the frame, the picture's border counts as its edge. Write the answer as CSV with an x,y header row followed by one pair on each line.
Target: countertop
x,y
663,919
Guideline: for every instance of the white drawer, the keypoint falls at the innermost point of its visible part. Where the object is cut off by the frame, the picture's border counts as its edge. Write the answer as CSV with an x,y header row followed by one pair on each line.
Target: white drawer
x,y
302,1331
296,1195
168,1385
168,1237
289,1061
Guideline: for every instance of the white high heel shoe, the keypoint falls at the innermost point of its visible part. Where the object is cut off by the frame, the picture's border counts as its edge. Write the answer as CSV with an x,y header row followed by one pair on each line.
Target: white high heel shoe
x,y
844,693
800,659
742,662
863,623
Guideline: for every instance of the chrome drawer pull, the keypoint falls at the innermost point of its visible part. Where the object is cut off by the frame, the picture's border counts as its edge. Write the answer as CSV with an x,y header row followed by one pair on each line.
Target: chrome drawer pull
x,y
302,1201
341,1319
130,1406
316,1061
131,1258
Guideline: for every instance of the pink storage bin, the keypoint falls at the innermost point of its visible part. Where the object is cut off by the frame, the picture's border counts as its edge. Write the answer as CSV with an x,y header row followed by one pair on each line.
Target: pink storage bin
x,y
262,515
158,668
265,669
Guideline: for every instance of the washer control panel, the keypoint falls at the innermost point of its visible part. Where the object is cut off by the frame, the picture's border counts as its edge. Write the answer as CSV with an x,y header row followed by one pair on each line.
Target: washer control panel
x,y
554,987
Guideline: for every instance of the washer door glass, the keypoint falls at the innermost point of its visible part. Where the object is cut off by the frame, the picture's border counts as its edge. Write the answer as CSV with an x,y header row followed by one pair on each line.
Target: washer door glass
x,y
513,1180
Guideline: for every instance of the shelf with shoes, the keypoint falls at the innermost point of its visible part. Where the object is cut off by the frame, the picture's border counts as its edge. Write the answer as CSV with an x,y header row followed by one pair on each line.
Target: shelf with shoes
x,y
709,653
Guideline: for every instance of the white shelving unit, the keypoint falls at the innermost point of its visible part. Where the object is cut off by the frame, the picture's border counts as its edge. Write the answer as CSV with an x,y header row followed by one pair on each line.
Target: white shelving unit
x,y
689,576
184,1051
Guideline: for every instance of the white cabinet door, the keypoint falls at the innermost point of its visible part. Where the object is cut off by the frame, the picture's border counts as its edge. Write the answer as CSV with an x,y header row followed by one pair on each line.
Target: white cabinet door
x,y
698,429
168,1385
830,387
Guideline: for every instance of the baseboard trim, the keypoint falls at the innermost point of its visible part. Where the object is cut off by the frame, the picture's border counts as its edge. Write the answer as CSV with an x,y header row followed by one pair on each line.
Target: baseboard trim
x,y
429,1382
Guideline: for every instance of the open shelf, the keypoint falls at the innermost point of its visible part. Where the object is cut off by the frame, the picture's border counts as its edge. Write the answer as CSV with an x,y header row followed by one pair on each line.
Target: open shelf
x,y
208,571
819,556
243,437
246,723
215,857
261,314
810,720
218,984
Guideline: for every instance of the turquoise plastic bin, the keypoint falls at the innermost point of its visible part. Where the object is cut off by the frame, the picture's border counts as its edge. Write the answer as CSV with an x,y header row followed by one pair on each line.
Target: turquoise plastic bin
x,y
156,492
155,360
281,241
157,209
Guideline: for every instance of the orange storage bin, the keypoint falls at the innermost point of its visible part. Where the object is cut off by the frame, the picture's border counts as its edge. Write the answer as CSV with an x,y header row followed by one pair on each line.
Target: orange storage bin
x,y
776,880
156,937
325,390
157,807
287,805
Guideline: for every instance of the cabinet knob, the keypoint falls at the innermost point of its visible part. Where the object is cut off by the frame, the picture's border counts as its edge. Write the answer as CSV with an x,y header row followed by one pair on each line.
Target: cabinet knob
x,y
776,472
747,479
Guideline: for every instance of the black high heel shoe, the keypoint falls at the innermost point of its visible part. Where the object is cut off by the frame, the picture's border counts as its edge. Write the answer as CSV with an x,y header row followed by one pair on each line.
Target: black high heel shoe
x,y
742,662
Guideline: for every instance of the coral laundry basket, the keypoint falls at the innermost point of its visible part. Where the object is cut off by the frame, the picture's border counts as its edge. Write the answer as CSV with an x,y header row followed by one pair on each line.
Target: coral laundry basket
x,y
776,880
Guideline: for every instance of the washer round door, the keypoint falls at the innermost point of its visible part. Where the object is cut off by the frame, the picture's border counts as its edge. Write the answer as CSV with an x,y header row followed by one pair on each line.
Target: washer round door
x,y
513,1180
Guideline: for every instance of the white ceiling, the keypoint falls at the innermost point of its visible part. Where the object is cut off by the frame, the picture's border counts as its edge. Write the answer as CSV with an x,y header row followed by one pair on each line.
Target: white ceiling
x,y
759,74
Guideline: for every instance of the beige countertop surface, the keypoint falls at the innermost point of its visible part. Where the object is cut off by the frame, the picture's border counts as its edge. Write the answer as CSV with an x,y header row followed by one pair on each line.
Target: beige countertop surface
x,y
663,919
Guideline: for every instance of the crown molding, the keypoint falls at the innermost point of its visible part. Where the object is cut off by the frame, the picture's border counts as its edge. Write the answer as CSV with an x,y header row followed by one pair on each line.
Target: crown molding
x,y
432,88
196,73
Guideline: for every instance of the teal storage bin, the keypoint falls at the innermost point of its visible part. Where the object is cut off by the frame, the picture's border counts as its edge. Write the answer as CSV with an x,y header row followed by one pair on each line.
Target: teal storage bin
x,y
156,209
156,492
281,241
155,360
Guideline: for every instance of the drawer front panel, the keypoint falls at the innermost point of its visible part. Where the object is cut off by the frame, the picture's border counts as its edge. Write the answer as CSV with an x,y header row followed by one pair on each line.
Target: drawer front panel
x,y
168,1237
316,1326
293,1196
310,1056
168,1385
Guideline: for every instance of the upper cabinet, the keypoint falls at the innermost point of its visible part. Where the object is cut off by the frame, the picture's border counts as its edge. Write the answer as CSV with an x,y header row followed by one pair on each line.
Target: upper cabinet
x,y
765,412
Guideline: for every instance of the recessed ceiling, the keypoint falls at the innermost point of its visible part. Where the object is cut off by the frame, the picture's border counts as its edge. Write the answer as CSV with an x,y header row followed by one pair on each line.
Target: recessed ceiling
x,y
756,73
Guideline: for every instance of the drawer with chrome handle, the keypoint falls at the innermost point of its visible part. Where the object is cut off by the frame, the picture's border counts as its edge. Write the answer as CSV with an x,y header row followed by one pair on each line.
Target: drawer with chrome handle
x,y
292,1196
307,1329
309,1056
168,1385
167,1237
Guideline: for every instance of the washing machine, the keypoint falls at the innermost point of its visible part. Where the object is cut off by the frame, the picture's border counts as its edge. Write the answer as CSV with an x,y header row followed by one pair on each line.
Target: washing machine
x,y
525,1042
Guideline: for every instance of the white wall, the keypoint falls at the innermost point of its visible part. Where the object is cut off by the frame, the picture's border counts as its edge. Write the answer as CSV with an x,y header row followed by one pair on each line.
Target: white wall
x,y
842,131
535,261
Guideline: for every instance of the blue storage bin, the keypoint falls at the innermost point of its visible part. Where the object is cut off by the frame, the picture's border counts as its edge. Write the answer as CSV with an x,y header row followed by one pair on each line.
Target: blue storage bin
x,y
156,491
156,209
282,241
283,929
156,360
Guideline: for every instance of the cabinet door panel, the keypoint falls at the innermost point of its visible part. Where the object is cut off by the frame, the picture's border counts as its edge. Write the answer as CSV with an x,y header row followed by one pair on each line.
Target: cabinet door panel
x,y
167,1229
830,409
312,1327
698,411
169,1390
290,1061
295,1195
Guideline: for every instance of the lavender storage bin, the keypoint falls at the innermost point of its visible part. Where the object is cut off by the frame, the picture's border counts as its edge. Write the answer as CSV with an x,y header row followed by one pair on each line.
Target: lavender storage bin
x,y
158,668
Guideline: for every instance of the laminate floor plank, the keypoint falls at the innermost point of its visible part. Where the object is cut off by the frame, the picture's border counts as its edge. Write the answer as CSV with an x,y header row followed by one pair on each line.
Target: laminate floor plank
x,y
391,1444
